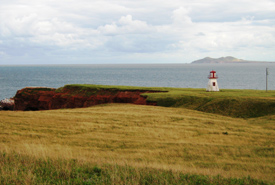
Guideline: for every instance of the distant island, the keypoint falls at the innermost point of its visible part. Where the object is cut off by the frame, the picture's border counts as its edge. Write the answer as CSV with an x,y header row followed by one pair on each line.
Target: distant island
x,y
223,60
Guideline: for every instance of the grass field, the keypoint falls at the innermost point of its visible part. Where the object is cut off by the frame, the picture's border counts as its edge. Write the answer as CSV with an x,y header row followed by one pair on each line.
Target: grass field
x,y
133,144
174,92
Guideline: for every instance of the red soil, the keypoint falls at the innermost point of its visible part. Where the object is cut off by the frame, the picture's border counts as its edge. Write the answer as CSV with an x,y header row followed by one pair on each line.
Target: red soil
x,y
48,98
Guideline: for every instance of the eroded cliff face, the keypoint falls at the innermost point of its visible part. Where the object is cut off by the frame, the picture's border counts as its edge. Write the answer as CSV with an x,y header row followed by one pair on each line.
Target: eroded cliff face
x,y
49,98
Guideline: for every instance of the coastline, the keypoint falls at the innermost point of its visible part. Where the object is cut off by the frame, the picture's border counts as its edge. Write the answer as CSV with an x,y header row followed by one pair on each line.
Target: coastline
x,y
233,103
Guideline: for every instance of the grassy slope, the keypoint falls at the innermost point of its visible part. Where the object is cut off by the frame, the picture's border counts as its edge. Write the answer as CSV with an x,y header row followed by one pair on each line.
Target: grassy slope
x,y
234,103
143,137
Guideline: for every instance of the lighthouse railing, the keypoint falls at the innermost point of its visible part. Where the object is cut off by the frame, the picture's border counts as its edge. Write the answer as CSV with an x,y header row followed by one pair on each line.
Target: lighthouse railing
x,y
211,77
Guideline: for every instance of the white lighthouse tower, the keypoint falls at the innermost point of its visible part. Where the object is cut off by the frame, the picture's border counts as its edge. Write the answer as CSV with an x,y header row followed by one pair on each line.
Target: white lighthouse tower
x,y
212,83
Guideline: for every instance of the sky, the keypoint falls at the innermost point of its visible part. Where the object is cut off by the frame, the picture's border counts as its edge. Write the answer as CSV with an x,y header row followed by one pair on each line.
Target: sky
x,y
129,31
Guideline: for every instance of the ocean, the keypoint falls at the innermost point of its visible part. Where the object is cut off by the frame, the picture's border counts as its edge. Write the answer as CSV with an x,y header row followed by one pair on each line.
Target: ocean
x,y
231,76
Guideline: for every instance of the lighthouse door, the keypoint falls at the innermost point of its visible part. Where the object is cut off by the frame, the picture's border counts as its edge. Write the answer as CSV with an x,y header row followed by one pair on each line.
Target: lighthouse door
x,y
214,84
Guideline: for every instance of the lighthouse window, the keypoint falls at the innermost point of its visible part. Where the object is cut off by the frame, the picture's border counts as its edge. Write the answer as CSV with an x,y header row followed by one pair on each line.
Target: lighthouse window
x,y
214,84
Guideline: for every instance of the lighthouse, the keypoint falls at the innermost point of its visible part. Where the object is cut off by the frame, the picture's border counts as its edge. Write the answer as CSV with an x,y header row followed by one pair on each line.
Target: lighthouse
x,y
212,83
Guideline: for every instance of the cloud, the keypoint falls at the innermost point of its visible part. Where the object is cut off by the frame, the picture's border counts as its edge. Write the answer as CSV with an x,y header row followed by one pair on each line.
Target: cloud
x,y
126,25
43,26
184,29
180,16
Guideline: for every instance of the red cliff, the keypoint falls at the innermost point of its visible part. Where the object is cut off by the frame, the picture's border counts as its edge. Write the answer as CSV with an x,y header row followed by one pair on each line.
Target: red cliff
x,y
70,96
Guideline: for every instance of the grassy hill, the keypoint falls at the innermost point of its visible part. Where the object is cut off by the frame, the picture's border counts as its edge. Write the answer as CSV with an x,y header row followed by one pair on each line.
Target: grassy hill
x,y
134,144
228,102
234,103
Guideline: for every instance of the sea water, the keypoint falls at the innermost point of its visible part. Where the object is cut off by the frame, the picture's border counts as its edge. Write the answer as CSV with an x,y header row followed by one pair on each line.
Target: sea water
x,y
231,76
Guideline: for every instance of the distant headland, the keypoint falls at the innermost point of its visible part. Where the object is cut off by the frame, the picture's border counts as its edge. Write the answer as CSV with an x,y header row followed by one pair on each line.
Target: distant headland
x,y
224,60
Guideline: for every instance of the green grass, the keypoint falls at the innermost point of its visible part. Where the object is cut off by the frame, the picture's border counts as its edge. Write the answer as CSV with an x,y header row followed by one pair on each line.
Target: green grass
x,y
21,169
178,92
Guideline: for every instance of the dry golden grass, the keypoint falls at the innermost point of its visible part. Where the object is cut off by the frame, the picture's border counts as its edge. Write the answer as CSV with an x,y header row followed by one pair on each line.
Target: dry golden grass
x,y
146,136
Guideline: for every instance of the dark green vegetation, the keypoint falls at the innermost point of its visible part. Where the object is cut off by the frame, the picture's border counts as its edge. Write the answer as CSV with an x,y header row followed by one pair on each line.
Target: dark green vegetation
x,y
21,169
233,103
88,90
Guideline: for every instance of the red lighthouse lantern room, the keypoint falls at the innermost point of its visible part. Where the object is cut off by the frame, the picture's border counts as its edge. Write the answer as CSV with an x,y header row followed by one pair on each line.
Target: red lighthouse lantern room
x,y
212,75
